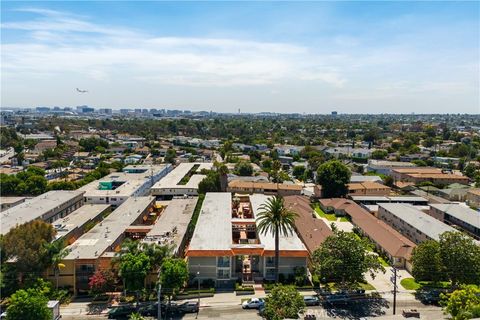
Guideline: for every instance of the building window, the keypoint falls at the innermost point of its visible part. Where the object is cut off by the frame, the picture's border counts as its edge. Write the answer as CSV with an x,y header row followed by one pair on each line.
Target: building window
x,y
270,273
223,274
223,262
270,262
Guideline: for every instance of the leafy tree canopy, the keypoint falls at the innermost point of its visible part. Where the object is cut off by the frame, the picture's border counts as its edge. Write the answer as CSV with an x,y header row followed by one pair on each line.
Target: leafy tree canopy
x,y
283,302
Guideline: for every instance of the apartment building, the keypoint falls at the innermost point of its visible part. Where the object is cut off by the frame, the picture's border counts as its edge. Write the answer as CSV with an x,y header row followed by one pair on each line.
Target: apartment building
x,y
95,249
436,176
368,188
181,181
473,197
117,187
9,202
226,245
73,226
458,215
394,245
268,188
411,222
48,207
386,167
311,230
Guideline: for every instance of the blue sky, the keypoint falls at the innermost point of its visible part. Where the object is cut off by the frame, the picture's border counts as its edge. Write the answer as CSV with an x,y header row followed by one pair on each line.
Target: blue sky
x,y
313,57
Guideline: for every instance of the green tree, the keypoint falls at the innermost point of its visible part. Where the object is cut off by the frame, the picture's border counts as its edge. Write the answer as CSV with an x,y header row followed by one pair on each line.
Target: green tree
x,y
283,302
345,258
334,176
27,244
244,168
298,172
89,144
133,269
28,304
427,263
379,154
461,258
276,219
170,156
464,303
173,276
211,183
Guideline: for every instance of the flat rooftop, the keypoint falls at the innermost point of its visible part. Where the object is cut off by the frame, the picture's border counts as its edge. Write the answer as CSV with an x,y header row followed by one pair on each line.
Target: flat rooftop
x,y
460,212
171,226
130,182
35,208
419,220
214,228
213,231
173,178
100,238
287,242
78,218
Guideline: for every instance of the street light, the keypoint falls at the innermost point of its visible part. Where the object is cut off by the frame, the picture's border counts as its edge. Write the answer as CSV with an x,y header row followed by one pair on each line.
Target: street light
x,y
198,292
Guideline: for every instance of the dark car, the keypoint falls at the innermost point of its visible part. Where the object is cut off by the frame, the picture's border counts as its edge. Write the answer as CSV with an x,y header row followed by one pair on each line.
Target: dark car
x,y
337,298
189,307
150,310
121,312
311,300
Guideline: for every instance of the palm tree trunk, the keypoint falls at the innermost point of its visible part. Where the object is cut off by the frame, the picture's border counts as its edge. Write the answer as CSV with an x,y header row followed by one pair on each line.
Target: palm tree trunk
x,y
277,253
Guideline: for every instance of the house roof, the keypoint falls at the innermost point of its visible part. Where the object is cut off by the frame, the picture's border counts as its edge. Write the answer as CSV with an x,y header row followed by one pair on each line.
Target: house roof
x,y
311,230
385,236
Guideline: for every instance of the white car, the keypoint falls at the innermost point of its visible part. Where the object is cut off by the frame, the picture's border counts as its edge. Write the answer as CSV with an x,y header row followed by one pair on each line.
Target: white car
x,y
253,303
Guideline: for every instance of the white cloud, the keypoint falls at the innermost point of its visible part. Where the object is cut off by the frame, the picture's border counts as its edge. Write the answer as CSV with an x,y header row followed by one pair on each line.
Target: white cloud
x,y
59,45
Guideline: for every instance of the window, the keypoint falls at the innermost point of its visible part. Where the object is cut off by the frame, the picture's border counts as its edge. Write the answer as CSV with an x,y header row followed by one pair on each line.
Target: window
x,y
223,262
270,262
223,273
270,273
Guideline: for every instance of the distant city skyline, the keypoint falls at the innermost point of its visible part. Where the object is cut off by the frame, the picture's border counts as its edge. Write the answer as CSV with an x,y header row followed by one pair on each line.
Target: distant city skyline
x,y
286,57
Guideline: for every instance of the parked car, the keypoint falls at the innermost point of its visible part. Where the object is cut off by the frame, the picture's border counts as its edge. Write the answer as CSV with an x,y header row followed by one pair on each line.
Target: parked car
x,y
121,312
311,300
337,298
253,303
189,307
261,310
411,313
150,309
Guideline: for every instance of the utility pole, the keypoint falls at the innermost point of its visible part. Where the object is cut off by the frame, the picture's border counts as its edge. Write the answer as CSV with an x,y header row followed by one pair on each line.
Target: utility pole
x,y
159,294
198,281
393,279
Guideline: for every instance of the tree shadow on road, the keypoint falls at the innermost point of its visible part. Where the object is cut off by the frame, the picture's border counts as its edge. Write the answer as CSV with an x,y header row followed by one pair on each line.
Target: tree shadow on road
x,y
358,309
96,308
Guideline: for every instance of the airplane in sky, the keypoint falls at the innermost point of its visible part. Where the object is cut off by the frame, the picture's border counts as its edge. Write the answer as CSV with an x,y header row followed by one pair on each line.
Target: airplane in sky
x,y
81,91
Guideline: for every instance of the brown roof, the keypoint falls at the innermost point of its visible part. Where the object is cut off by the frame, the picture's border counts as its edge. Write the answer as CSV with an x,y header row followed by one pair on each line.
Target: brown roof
x,y
421,170
311,230
474,191
263,185
385,236
437,176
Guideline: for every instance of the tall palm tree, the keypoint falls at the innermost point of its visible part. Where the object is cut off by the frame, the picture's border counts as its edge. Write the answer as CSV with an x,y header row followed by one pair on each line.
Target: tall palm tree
x,y
223,172
275,218
56,251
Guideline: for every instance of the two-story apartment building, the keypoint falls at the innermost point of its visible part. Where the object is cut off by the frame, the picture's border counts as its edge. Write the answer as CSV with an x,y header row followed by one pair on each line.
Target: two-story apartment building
x,y
227,246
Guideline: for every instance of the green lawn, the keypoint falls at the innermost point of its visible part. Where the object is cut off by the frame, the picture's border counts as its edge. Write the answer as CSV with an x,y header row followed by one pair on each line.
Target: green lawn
x,y
411,284
333,286
383,262
328,216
